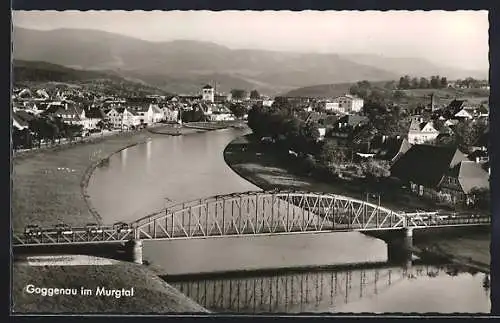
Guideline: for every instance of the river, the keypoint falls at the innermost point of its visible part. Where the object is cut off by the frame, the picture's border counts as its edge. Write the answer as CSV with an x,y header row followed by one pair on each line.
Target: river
x,y
145,178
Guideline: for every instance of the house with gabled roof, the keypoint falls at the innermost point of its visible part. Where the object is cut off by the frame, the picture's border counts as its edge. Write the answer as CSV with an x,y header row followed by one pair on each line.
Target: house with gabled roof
x,y
158,114
18,122
389,148
444,173
143,111
422,132
95,115
69,113
113,117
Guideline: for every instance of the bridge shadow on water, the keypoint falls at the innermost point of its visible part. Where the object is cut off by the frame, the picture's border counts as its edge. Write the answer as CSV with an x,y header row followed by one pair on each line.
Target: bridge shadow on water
x,y
296,290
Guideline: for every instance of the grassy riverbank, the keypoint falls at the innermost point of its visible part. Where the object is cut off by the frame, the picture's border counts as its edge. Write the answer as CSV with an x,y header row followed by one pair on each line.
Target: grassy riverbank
x,y
48,187
266,169
151,293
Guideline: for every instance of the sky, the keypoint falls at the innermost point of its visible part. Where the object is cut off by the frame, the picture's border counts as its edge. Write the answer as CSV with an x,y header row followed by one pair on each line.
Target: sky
x,y
450,38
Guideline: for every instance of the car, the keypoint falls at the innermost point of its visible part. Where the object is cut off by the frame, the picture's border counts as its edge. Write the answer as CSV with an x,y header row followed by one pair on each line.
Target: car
x,y
63,229
32,230
93,228
122,227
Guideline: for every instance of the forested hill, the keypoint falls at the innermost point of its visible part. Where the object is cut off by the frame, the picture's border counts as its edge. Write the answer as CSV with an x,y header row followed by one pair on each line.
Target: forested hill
x,y
34,72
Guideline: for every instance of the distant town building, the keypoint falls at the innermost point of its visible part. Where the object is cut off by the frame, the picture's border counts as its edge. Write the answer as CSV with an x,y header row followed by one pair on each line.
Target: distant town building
x,y
267,103
332,106
348,103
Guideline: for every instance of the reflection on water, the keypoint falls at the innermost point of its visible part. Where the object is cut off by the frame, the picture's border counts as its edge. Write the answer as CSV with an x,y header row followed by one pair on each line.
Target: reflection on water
x,y
377,288
148,153
264,252
179,168
123,158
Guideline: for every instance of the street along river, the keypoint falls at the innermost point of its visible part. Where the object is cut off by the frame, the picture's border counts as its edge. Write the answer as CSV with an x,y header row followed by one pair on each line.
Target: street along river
x,y
146,178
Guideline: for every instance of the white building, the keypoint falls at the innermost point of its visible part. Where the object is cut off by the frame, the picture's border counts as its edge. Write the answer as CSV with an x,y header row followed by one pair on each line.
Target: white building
x,y
421,132
114,117
170,114
267,103
208,94
221,117
122,118
158,114
348,103
144,112
332,106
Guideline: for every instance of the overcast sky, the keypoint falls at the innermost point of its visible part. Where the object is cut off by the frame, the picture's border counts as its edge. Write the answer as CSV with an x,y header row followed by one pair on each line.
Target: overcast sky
x,y
454,38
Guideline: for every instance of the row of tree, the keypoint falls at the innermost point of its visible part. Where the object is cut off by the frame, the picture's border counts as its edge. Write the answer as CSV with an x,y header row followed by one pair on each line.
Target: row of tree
x,y
435,82
46,129
239,94
291,132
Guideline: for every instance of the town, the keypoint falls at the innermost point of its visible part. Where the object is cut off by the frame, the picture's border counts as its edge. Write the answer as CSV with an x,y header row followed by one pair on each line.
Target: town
x,y
357,135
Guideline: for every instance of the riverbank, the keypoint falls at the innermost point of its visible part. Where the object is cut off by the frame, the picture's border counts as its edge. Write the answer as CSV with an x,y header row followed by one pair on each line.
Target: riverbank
x,y
265,169
48,187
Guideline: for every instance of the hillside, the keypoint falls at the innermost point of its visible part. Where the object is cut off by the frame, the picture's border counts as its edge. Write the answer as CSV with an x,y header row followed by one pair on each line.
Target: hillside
x,y
324,90
408,98
43,74
413,66
184,65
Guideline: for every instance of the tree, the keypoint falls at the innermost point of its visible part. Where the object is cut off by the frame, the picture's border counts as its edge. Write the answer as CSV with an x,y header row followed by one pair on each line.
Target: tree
x,y
375,168
415,83
238,110
481,197
391,85
424,83
254,95
444,82
238,94
435,82
467,133
404,82
331,153
73,130
364,136
21,138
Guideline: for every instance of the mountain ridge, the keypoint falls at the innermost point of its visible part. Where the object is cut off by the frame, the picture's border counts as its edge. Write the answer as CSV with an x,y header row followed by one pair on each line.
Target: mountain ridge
x,y
169,64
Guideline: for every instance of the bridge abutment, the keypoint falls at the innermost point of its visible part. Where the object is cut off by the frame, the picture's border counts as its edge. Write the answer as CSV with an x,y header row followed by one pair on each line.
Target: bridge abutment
x,y
133,249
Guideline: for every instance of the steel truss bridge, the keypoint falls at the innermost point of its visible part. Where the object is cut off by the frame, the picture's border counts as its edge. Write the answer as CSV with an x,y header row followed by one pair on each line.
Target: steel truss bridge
x,y
253,213
320,291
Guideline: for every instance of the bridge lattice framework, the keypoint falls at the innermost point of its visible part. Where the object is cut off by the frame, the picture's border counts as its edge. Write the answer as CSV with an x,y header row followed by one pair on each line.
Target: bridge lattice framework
x,y
256,213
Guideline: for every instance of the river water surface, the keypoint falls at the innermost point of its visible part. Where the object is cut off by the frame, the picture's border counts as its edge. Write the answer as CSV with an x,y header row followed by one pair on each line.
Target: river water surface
x,y
146,178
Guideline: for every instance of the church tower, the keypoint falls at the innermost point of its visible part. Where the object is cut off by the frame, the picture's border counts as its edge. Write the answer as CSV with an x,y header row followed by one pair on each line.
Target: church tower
x,y
208,94
433,102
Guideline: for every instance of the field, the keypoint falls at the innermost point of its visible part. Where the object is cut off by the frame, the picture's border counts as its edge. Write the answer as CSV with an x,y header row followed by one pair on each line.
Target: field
x,y
445,96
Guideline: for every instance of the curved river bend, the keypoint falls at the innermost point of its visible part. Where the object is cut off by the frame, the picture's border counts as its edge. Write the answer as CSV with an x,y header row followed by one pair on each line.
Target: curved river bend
x,y
145,178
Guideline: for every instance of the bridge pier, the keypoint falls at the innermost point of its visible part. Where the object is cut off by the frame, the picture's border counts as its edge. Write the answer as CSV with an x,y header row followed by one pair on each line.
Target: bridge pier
x,y
133,250
400,246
